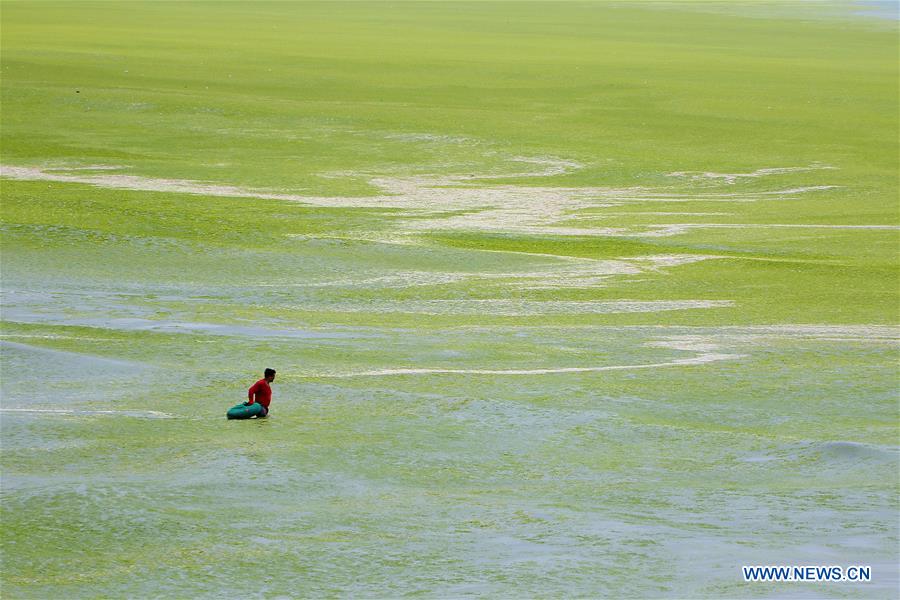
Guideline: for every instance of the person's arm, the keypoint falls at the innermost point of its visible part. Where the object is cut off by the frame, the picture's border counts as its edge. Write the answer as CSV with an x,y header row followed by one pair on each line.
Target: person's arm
x,y
250,393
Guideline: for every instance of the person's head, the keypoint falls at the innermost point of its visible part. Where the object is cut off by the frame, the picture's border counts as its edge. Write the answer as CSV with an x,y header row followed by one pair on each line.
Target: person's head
x,y
270,375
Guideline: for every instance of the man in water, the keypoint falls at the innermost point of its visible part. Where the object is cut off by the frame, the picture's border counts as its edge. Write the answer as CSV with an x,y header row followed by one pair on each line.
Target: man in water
x,y
261,392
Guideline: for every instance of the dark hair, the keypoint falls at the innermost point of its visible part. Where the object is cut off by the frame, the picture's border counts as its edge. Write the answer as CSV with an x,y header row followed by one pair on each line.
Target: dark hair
x,y
269,372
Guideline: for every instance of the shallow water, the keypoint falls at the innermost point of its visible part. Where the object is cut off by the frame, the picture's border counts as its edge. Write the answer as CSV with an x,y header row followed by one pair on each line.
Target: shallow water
x,y
450,483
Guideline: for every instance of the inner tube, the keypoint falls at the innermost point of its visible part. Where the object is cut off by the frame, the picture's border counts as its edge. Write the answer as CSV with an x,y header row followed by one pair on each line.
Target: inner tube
x,y
242,411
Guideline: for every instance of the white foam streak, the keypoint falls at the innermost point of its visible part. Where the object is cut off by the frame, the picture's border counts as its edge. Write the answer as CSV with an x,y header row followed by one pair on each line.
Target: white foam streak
x,y
671,229
732,178
681,362
522,308
145,414
501,208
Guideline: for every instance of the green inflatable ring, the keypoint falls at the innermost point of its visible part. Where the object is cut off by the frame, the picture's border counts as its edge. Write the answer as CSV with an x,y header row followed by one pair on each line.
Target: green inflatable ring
x,y
242,411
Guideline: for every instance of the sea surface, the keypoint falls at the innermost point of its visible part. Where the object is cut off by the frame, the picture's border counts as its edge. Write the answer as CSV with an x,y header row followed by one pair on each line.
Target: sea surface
x,y
565,300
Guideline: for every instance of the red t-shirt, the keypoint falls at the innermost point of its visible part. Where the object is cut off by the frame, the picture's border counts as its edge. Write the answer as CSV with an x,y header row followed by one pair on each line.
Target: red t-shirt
x,y
262,391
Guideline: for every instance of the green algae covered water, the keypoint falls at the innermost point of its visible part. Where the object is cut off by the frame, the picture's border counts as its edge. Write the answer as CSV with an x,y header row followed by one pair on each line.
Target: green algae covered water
x,y
566,300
